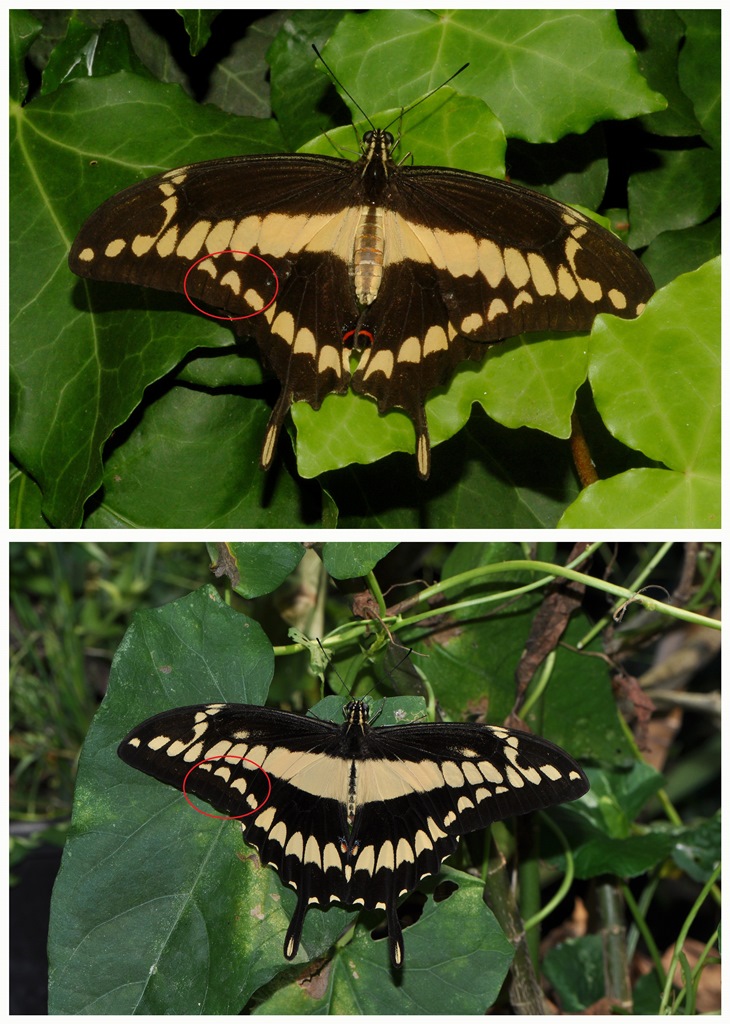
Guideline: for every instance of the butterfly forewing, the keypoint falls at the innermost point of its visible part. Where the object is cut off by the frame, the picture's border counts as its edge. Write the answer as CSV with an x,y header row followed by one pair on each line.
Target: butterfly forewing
x,y
355,815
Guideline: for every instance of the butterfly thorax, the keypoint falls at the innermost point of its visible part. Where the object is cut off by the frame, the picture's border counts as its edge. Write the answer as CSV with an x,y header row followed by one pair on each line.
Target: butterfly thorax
x,y
377,163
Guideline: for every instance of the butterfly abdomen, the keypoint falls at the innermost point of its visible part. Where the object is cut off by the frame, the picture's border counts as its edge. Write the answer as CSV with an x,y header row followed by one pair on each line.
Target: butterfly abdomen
x,y
367,260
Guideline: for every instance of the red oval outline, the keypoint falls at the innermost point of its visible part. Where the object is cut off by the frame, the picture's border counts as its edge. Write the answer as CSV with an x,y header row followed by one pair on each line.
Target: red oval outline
x,y
242,252
349,334
227,817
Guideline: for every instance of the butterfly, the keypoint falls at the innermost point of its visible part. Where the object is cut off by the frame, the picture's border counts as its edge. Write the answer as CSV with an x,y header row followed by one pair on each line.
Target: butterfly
x,y
347,813
412,270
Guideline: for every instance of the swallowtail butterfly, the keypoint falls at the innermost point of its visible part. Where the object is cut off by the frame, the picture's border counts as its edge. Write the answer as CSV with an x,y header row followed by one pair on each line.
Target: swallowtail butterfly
x,y
356,815
415,268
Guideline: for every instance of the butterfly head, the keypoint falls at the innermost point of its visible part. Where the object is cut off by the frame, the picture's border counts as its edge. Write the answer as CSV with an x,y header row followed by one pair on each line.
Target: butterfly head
x,y
357,714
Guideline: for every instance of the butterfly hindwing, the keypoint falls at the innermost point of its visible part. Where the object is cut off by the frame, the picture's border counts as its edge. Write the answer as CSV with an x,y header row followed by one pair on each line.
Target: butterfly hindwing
x,y
355,815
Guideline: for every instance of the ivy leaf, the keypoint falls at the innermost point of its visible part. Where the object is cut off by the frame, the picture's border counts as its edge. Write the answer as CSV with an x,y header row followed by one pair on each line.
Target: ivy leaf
x,y
656,381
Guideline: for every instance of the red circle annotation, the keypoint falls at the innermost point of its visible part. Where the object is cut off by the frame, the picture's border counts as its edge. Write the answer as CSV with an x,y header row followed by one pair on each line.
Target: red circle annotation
x,y
239,252
229,757
348,335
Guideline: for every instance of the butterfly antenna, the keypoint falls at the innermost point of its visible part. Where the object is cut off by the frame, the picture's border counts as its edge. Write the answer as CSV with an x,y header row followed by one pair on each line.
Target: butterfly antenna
x,y
335,79
404,110
407,110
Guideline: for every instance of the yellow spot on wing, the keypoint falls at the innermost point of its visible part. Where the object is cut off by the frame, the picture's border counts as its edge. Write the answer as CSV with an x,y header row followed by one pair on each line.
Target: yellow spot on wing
x,y
192,242
311,852
304,343
113,248
231,280
452,774
385,857
329,358
166,245
516,266
381,362
266,818
542,278
491,262
219,238
410,351
435,340
566,283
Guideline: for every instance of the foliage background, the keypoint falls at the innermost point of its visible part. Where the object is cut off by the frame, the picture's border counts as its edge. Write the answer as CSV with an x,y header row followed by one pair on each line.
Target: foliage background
x,y
647,835
129,411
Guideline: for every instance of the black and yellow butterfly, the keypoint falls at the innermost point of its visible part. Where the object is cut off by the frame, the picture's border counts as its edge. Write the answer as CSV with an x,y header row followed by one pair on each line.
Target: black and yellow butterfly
x,y
354,815
416,269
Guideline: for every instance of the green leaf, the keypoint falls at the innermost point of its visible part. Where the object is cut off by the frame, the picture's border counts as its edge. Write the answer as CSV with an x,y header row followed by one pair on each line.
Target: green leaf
x,y
95,365
259,568
605,821
576,970
197,26
487,476
347,561
699,68
24,29
699,850
138,924
193,456
474,668
66,340
239,82
298,86
462,955
671,415
529,381
450,131
695,172
679,252
104,52
578,58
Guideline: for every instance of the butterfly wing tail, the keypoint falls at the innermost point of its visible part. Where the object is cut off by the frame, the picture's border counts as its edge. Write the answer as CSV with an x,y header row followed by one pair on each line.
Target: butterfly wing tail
x,y
423,444
273,429
395,935
294,931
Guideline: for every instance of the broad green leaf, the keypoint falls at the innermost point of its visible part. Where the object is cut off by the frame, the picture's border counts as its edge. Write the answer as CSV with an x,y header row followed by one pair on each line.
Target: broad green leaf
x,y
90,362
656,382
488,476
24,29
158,909
194,457
479,663
530,381
578,58
576,969
347,561
258,568
82,354
699,68
693,172
197,26
462,955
